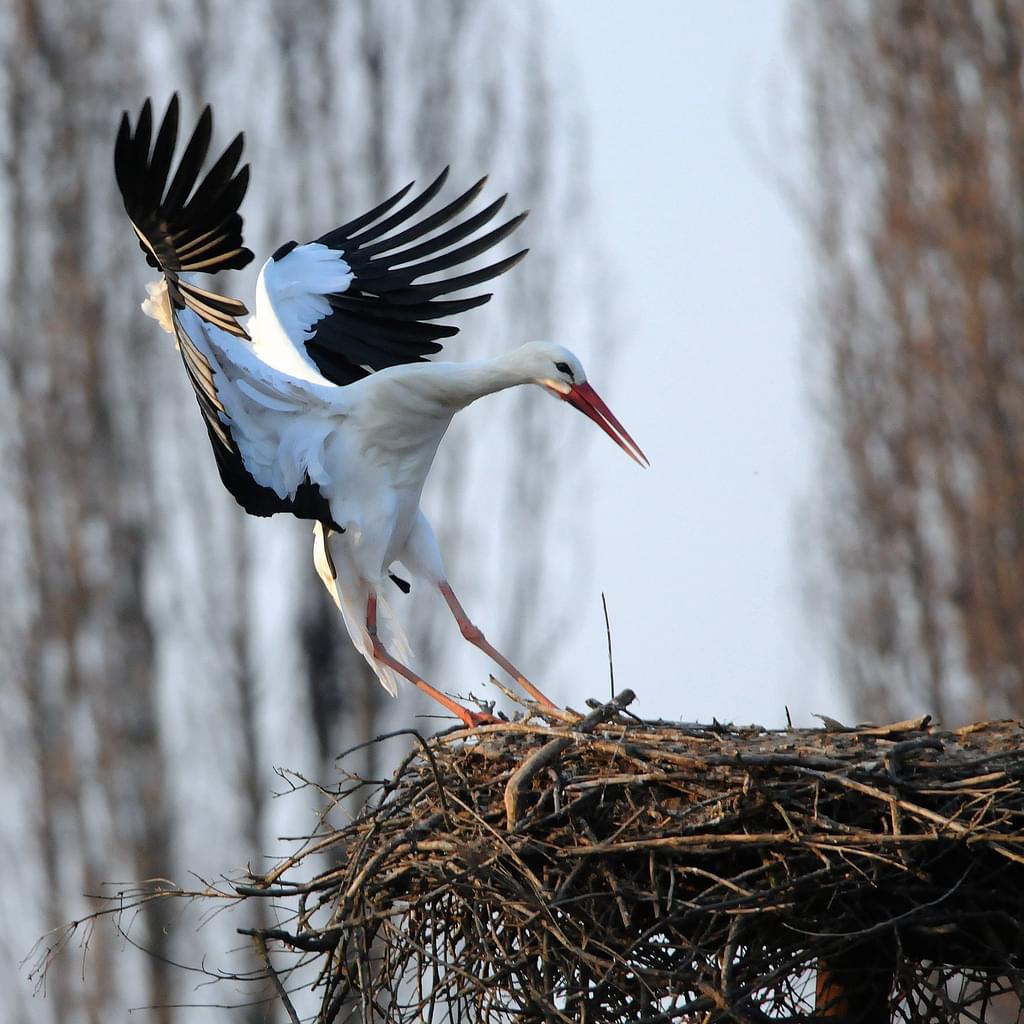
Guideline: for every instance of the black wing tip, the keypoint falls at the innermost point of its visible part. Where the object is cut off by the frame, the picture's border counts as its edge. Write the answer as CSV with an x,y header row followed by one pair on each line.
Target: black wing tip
x,y
519,217
461,202
146,113
193,224
205,119
238,142
391,318
513,222
514,260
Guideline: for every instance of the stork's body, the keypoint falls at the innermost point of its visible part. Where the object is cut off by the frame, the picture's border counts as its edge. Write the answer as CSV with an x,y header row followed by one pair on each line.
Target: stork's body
x,y
323,406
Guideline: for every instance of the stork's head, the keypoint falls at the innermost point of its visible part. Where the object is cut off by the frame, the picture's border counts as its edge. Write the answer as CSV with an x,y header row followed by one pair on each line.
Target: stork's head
x,y
560,373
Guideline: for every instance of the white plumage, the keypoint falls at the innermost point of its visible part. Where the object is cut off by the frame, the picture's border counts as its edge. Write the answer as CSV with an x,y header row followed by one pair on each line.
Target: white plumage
x,y
290,302
323,406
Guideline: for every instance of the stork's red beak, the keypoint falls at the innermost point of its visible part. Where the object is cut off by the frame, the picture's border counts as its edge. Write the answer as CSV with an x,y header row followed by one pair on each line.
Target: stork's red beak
x,y
590,403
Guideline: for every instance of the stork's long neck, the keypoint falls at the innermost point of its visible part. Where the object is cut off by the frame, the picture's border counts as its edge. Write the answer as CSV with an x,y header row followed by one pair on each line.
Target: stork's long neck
x,y
459,384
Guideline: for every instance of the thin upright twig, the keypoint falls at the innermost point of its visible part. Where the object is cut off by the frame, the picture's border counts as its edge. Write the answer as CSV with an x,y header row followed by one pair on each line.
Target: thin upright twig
x,y
608,632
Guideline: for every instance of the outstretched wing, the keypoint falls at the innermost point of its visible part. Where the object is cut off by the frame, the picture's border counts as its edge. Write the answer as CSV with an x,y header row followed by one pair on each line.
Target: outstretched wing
x,y
188,226
193,225
354,300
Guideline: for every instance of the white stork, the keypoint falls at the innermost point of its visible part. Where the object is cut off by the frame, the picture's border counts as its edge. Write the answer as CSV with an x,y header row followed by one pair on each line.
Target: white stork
x,y
324,405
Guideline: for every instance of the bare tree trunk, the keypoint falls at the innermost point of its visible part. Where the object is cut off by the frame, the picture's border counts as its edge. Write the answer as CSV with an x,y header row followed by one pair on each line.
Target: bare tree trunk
x,y
919,133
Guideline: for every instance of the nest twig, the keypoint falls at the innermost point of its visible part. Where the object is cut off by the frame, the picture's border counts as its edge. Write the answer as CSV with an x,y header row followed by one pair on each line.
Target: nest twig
x,y
608,869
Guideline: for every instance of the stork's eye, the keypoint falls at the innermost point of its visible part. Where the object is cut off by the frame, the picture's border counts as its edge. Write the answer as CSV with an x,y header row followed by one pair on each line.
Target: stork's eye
x,y
564,368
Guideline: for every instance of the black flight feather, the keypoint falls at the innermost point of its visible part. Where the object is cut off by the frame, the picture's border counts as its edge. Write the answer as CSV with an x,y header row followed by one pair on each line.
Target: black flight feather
x,y
386,315
192,225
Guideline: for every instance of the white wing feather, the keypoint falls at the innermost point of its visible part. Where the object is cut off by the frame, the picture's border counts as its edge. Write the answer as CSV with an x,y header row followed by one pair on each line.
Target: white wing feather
x,y
280,423
290,302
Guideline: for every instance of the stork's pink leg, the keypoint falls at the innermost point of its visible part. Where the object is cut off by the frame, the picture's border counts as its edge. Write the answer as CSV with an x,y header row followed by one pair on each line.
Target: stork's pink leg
x,y
469,718
476,637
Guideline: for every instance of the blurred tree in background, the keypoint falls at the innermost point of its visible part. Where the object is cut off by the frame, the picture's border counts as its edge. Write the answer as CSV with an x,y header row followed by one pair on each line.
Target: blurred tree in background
x,y
917,114
160,652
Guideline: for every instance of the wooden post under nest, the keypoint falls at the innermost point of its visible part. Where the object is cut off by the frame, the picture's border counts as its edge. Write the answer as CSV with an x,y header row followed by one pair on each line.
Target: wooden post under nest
x,y
855,987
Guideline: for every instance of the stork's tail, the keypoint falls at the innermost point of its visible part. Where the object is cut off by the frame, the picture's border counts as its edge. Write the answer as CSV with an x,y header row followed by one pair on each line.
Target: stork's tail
x,y
351,600
158,305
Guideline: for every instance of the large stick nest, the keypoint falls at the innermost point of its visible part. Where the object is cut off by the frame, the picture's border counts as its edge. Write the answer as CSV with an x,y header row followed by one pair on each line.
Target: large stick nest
x,y
611,869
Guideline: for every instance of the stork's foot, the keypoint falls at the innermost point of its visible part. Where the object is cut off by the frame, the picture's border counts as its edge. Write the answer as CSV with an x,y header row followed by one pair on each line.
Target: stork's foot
x,y
475,718
471,719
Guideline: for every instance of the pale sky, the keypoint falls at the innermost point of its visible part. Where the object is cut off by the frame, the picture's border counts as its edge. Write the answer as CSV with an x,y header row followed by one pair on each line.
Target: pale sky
x,y
700,556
